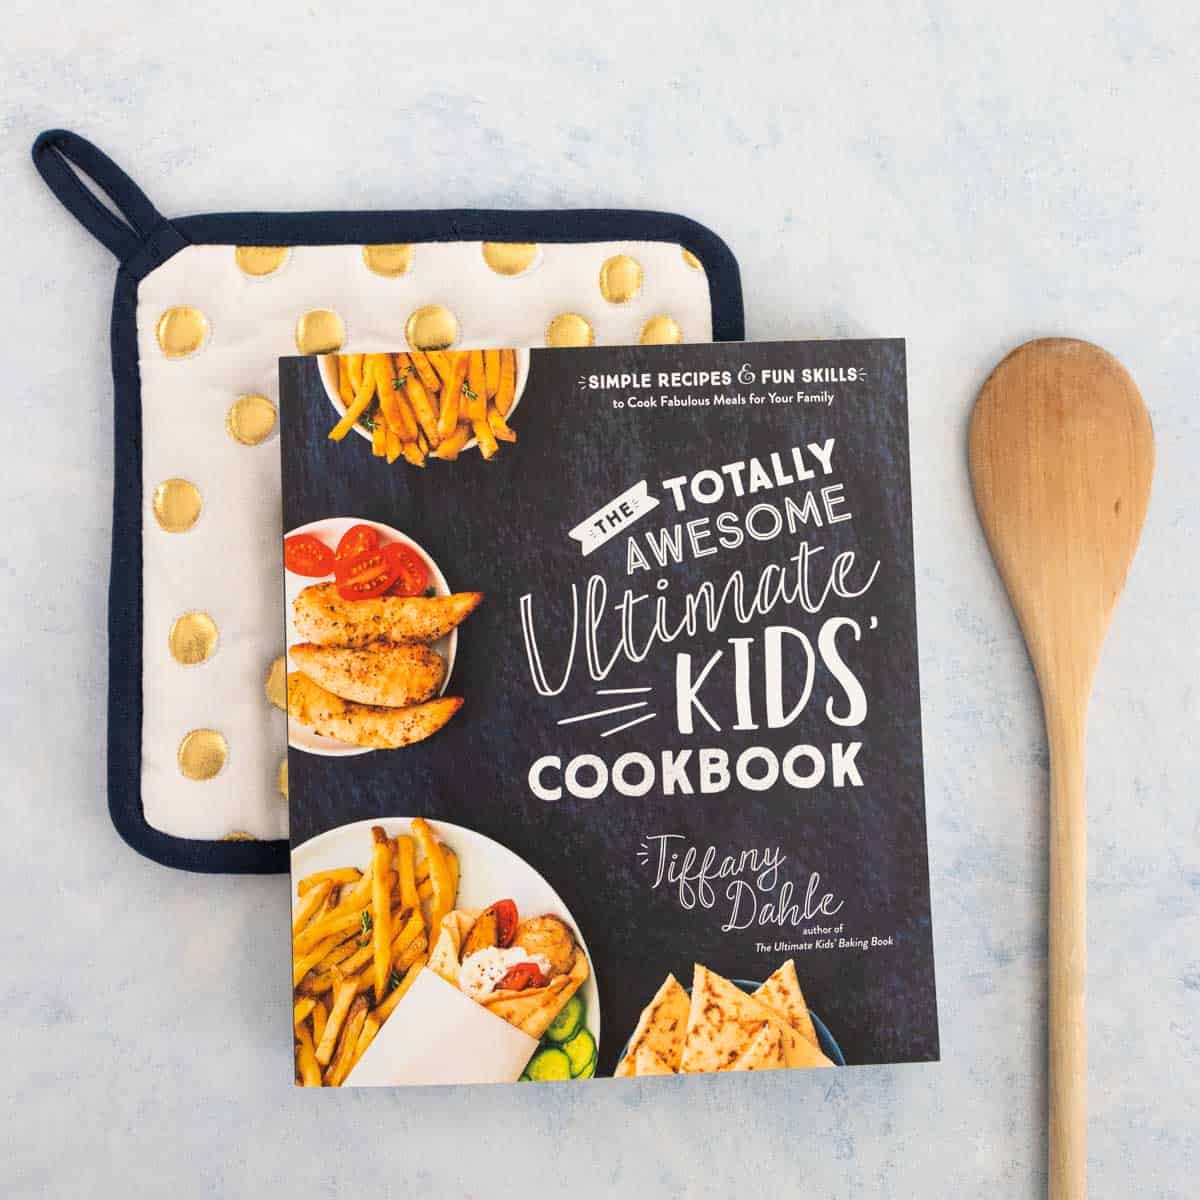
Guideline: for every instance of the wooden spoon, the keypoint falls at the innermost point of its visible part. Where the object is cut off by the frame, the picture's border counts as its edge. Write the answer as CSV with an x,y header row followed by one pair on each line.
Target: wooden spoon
x,y
1061,458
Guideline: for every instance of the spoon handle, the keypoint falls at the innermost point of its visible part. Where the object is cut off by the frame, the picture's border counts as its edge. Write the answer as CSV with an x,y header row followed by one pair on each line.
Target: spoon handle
x,y
1068,957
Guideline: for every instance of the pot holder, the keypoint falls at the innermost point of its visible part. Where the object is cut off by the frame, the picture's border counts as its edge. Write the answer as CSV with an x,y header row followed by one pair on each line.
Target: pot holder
x,y
204,307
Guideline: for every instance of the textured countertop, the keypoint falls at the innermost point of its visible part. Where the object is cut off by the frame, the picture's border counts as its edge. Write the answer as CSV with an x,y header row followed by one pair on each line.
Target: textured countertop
x,y
966,181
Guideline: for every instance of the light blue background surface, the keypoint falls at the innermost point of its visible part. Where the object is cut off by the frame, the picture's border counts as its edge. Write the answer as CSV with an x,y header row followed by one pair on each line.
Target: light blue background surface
x,y
967,180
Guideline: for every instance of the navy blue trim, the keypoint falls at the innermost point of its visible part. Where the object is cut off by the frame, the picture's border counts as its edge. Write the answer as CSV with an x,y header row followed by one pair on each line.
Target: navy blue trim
x,y
142,240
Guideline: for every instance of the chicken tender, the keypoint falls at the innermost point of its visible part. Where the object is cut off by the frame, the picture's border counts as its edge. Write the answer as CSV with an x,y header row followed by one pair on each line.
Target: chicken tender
x,y
548,936
382,673
323,617
363,724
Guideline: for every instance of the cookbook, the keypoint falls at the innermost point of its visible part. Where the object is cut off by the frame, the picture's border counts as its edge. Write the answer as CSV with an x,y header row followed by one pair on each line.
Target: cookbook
x,y
604,718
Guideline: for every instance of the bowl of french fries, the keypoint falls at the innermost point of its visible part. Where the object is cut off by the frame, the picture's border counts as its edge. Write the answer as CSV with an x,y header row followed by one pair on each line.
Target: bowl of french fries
x,y
420,405
368,901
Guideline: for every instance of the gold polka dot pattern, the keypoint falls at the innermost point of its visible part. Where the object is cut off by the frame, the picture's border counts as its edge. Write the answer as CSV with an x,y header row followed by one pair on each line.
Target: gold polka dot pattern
x,y
181,330
202,754
176,505
193,638
570,329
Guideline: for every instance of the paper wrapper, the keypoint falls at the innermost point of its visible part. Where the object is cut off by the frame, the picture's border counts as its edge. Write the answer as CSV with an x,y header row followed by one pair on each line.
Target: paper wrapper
x,y
531,1010
438,1035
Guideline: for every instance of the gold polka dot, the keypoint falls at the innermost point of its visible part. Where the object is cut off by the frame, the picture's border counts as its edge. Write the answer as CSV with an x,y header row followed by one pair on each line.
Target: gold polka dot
x,y
510,258
181,331
433,327
250,420
570,329
202,754
320,331
661,331
239,835
277,683
176,505
261,260
620,279
391,260
193,638
281,780
690,259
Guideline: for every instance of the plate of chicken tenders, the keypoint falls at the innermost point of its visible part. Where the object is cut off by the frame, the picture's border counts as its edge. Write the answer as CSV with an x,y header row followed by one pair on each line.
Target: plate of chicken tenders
x,y
372,631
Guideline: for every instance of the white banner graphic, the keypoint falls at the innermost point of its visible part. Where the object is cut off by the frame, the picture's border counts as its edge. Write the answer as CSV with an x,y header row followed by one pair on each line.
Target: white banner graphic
x,y
614,517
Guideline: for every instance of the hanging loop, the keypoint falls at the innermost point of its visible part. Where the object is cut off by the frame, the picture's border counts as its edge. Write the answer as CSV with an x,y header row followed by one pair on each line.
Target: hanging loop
x,y
64,160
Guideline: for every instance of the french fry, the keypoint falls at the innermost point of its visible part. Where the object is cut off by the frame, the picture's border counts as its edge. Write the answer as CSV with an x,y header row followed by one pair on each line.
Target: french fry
x,y
451,447
343,1060
363,396
365,1038
413,454
379,439
381,910
410,954
338,875
444,363
476,389
311,959
406,869
320,1014
418,397
309,905
486,439
440,878
385,1010
452,395
338,924
394,446
345,991
407,935
302,1009
491,370
344,384
424,886
500,427
306,1060
398,416
350,905
506,389
354,365
429,377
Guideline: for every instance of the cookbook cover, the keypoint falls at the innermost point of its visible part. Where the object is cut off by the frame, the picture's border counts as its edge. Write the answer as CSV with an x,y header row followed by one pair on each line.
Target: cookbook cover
x,y
604,717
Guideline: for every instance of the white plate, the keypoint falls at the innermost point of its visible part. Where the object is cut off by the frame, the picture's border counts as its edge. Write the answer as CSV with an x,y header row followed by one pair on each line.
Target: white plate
x,y
487,872
330,532
328,374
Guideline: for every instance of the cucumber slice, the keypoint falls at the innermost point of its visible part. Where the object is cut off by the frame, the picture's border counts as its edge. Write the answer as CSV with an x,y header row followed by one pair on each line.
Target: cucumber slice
x,y
550,1063
567,1024
587,1071
580,1050
524,1078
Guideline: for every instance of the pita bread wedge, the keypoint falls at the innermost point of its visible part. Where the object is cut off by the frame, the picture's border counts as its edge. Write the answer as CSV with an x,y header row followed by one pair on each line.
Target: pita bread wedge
x,y
648,1061
764,1053
660,1028
723,1020
782,993
531,1010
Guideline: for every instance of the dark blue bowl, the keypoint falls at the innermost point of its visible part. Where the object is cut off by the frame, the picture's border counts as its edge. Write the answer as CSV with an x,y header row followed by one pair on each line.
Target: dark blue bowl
x,y
828,1043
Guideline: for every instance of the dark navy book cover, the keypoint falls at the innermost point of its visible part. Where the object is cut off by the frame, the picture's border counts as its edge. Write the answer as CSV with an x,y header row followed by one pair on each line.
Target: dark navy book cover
x,y
626,636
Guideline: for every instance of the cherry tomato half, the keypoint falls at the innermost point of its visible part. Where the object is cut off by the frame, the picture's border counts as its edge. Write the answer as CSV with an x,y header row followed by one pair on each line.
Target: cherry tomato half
x,y
304,554
411,574
520,977
363,576
357,540
505,912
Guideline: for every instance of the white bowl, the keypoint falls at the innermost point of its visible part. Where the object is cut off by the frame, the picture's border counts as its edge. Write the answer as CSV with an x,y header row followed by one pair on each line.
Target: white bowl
x,y
329,379
330,532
